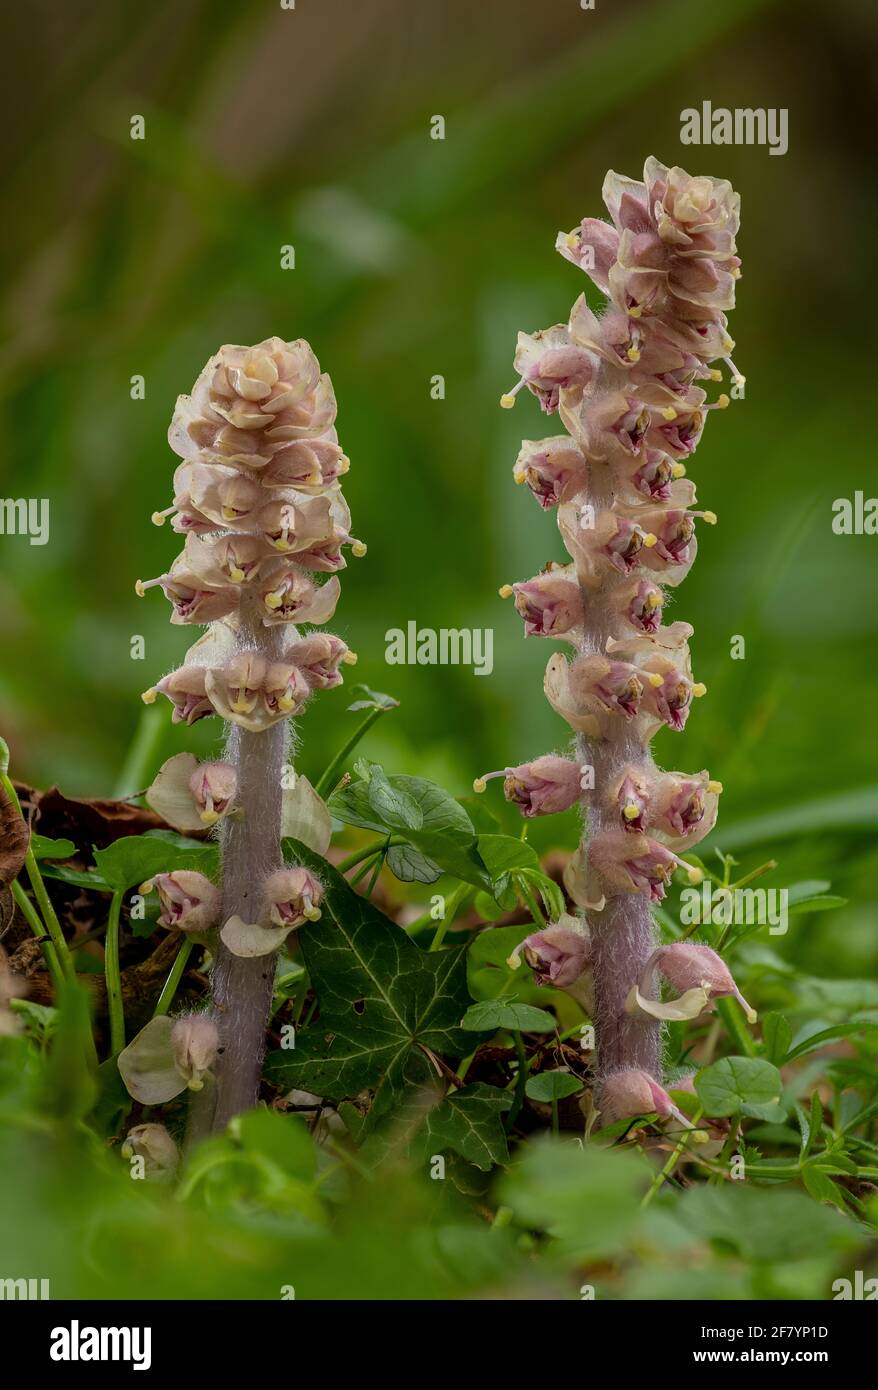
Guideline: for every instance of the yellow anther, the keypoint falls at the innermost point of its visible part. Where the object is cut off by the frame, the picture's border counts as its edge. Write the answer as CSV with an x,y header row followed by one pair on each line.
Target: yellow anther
x,y
209,817
736,273
150,696
313,914
350,659
195,1084
678,470
722,402
694,875
655,679
139,589
359,549
286,703
158,518
655,600
572,240
669,413
344,464
715,787
716,374
649,540
700,1136
506,591
480,785
228,514
514,961
273,600
709,517
631,812
633,354
507,401
699,689
752,1015
236,575
635,311
146,887
519,475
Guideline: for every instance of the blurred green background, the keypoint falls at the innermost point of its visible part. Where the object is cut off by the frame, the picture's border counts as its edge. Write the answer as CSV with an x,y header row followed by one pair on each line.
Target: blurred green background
x,y
417,257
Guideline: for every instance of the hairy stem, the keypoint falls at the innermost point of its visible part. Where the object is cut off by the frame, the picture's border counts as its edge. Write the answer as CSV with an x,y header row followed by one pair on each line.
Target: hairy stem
x,y
623,934
251,850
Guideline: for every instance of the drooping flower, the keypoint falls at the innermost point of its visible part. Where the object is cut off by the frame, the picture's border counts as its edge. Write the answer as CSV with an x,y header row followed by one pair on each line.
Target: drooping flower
x,y
190,902
631,1093
540,788
191,795
698,975
154,1145
195,1040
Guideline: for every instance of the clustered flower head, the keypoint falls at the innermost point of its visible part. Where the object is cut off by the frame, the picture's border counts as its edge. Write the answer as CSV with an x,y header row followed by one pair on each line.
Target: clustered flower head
x,y
258,501
631,388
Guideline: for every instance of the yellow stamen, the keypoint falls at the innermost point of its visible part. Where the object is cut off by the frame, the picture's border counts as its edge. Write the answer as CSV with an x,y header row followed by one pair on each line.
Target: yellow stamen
x,y
359,549
631,812
715,787
158,518
699,690
655,600
228,514
649,540
635,311
678,470
286,703
146,887
507,401
655,679
195,1084
519,475
722,401
350,659
273,600
694,875
139,589
209,817
236,575
480,785
700,1136
716,374
572,240
669,413
344,464
633,354
709,517
150,696
514,961
506,591
313,914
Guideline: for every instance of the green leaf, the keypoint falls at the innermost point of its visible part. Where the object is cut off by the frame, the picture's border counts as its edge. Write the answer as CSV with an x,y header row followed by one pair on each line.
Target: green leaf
x,y
44,848
736,1084
856,810
385,1006
489,1015
70,1087
821,1187
445,836
410,866
135,858
371,699
551,894
816,1039
552,1085
393,806
469,1122
770,1224
776,1037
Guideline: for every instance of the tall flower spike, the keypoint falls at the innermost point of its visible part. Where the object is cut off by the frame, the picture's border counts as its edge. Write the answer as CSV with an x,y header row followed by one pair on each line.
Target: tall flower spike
x,y
626,384
258,499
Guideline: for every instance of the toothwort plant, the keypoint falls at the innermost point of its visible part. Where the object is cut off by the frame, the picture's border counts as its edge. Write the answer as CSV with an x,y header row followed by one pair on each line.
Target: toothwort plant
x,y
626,386
258,500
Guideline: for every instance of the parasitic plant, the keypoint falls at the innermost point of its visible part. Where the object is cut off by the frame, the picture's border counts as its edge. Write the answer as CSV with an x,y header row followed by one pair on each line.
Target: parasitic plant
x,y
258,500
627,386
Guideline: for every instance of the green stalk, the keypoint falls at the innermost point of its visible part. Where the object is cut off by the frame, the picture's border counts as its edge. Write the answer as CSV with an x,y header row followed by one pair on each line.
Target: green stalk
x,y
113,977
143,752
376,847
332,774
514,1111
34,921
457,899
169,989
53,926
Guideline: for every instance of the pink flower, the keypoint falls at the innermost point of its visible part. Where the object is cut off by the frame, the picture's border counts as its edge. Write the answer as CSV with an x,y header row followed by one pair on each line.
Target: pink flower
x,y
186,689
560,953
190,902
550,468
195,1042
319,657
690,965
628,1094
550,604
540,788
294,897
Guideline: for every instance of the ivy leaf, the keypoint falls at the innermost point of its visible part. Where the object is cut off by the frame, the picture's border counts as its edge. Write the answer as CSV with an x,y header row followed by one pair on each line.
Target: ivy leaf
x,y
135,858
385,1005
736,1085
547,1086
489,1015
469,1122
394,806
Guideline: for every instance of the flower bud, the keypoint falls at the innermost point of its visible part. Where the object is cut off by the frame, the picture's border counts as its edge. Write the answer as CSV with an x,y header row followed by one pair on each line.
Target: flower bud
x,y
190,902
195,1040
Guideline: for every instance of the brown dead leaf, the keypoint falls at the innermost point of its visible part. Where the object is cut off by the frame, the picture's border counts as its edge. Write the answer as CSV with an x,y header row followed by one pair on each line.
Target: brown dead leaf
x,y
14,840
90,821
